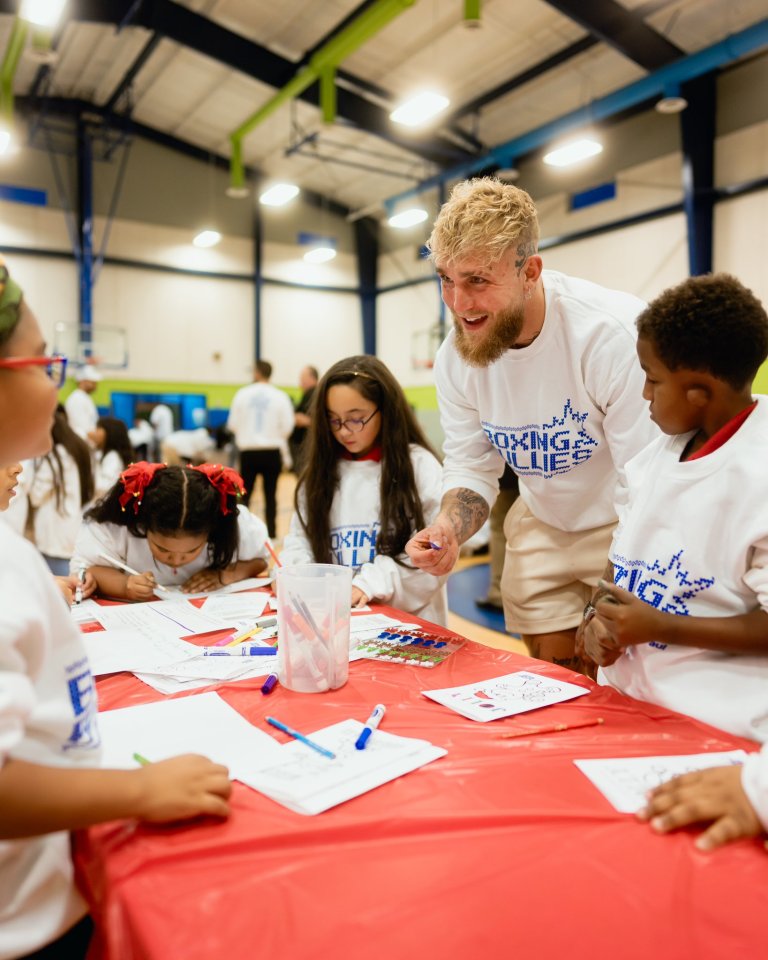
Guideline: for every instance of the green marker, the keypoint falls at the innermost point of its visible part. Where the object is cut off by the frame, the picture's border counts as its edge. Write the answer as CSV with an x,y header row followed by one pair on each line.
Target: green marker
x,y
142,760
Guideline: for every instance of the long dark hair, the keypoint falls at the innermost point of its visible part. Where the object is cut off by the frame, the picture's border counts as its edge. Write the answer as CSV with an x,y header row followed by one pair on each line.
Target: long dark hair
x,y
401,511
77,448
117,439
176,500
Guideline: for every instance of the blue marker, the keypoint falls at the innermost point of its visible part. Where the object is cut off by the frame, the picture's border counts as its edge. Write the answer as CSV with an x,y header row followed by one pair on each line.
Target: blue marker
x,y
251,651
435,546
300,737
370,725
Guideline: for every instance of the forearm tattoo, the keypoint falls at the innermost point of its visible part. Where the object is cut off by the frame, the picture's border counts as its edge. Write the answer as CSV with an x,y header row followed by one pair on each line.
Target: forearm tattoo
x,y
466,511
524,250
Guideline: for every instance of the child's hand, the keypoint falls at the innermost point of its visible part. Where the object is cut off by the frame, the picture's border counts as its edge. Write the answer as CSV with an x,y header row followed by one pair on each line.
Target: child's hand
x,y
205,580
625,619
359,599
598,644
183,787
140,586
68,586
434,549
707,795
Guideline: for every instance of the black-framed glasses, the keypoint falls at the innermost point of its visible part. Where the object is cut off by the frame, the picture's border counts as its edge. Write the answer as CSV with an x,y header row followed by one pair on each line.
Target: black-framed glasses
x,y
55,367
354,425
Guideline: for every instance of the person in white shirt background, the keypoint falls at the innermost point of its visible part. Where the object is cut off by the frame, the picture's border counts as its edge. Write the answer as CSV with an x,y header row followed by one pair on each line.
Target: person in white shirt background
x,y
539,372
49,739
61,486
113,453
161,418
262,418
82,412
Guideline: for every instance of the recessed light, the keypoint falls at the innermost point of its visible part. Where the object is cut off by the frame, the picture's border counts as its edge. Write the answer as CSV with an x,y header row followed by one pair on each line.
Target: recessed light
x,y
278,194
43,13
319,254
419,109
408,218
572,152
207,238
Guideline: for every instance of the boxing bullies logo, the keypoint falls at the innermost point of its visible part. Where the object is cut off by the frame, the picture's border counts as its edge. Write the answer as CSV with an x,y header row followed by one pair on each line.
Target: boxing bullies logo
x,y
544,450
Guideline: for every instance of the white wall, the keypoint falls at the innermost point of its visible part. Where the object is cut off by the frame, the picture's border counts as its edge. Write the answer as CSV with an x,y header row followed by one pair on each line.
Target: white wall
x,y
176,323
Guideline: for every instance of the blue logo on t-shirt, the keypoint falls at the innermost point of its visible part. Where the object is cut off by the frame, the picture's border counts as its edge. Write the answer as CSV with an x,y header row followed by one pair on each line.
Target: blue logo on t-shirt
x,y
82,695
544,450
354,545
663,586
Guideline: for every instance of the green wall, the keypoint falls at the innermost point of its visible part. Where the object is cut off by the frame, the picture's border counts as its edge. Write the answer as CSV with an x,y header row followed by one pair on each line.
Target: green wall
x,y
219,395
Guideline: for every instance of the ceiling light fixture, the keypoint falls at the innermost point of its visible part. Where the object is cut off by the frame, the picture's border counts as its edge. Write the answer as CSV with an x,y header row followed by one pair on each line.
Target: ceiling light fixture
x,y
573,152
319,254
673,104
6,141
42,13
419,109
207,238
279,194
408,218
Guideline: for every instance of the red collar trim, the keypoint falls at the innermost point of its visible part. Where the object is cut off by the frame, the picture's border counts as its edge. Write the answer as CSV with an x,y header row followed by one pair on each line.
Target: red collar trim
x,y
723,434
373,454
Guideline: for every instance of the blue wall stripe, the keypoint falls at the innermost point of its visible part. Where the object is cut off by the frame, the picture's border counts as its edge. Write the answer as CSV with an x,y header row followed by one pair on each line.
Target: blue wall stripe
x,y
35,198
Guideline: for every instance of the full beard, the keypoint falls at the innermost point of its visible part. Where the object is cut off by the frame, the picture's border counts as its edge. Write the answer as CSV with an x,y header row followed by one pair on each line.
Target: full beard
x,y
483,350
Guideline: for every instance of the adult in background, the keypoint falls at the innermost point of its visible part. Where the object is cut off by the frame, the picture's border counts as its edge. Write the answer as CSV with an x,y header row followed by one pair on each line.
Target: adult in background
x,y
261,419
161,418
539,372
82,413
307,381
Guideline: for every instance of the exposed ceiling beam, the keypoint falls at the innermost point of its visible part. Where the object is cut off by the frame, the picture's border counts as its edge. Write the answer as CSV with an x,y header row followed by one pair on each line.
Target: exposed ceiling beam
x,y
182,25
621,29
73,108
556,60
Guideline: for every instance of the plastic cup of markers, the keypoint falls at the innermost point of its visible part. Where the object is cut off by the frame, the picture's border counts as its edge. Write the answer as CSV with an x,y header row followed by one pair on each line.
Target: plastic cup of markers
x,y
313,608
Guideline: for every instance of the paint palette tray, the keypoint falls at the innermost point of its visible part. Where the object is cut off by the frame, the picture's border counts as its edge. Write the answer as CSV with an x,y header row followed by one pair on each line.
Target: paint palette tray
x,y
416,647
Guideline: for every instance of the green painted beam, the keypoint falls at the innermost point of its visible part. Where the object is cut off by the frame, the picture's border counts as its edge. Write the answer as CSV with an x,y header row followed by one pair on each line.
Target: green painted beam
x,y
321,67
9,65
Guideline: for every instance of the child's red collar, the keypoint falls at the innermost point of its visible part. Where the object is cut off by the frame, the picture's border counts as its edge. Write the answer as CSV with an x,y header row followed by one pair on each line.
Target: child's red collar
x,y
373,454
723,434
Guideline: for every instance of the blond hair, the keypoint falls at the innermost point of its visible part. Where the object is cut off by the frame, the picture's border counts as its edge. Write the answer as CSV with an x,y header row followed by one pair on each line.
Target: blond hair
x,y
485,217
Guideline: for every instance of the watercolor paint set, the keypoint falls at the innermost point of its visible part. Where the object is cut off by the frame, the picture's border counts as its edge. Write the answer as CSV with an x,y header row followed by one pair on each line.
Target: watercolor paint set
x,y
416,647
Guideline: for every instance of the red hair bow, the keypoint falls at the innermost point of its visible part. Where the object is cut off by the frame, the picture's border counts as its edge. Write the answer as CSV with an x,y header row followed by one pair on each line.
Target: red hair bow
x,y
227,481
135,481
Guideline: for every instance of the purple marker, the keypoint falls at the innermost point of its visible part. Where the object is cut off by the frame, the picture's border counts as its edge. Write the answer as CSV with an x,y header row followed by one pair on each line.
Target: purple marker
x,y
269,684
435,546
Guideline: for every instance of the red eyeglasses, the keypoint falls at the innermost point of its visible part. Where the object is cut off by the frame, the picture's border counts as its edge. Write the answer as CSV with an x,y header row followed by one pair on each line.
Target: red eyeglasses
x,y
55,367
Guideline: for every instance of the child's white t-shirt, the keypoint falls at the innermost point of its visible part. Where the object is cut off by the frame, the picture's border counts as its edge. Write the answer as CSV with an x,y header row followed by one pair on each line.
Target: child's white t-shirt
x,y
47,716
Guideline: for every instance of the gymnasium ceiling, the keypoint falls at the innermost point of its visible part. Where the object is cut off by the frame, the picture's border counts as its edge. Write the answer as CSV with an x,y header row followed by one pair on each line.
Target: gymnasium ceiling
x,y
189,73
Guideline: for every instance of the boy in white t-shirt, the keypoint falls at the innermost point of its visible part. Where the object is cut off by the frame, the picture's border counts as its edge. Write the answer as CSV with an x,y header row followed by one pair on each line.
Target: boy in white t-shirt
x,y
684,622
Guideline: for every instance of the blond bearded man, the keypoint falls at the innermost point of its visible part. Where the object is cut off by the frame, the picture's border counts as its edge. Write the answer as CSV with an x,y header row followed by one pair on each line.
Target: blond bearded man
x,y
539,372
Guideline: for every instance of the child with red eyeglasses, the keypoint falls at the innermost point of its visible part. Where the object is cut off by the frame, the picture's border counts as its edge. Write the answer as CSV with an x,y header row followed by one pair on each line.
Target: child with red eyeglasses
x,y
50,780
174,526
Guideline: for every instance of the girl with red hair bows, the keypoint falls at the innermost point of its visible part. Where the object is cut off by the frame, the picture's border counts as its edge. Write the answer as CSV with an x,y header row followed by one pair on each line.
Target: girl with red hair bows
x,y
177,526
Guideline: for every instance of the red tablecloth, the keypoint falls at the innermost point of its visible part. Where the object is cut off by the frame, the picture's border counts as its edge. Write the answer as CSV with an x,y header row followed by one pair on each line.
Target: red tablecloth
x,y
501,848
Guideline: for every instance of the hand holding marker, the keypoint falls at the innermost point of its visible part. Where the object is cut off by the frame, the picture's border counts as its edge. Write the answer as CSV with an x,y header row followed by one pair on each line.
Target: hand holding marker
x,y
370,725
80,584
114,562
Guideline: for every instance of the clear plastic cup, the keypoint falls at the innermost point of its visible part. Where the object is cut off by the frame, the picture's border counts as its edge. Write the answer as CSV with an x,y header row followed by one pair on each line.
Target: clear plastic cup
x,y
313,607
